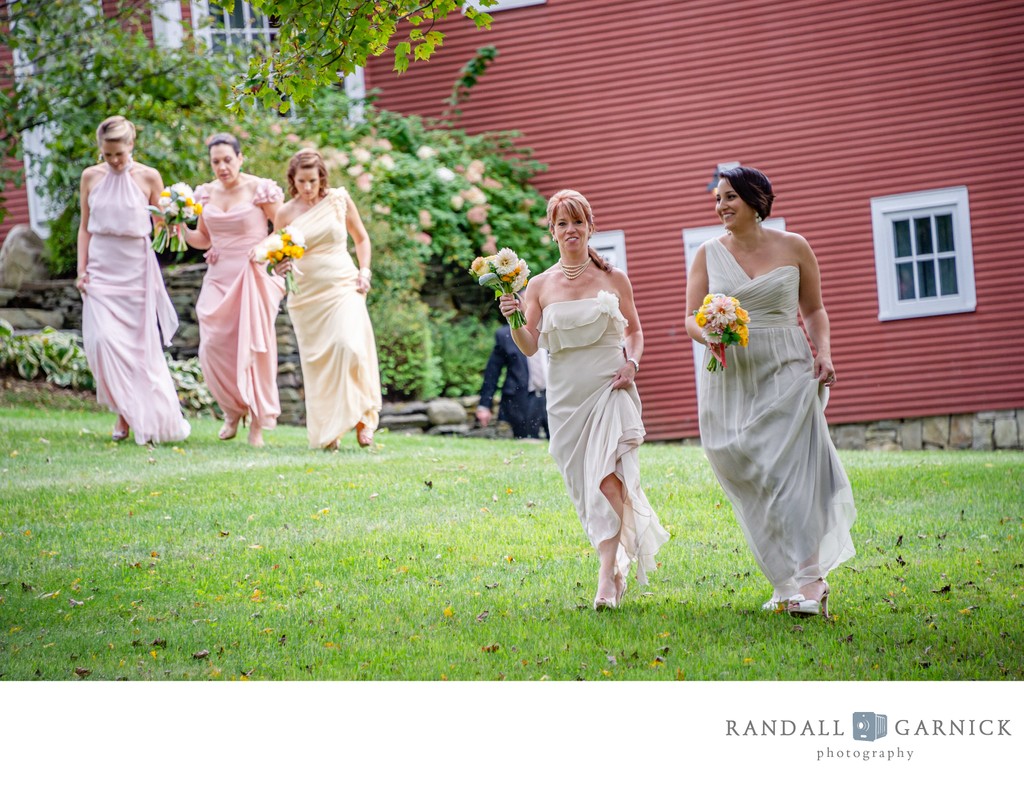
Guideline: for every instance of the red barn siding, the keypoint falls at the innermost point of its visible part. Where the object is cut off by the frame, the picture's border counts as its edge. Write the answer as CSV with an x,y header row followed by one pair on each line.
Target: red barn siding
x,y
635,103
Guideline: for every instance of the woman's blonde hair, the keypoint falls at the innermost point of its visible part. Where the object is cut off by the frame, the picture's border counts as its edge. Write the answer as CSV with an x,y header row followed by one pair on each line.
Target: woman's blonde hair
x,y
115,129
307,159
576,207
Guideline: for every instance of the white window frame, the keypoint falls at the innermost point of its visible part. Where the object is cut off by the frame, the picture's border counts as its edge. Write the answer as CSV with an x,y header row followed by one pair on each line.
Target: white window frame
x,y
612,246
167,29
693,239
202,22
887,209
504,5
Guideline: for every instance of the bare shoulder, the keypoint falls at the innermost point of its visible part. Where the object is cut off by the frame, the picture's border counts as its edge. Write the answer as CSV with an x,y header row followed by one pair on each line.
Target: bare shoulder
x,y
93,173
286,212
621,281
150,174
790,241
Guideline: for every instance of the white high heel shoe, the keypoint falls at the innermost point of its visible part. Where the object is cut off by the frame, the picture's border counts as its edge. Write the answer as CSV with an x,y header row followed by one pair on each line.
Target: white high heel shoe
x,y
800,606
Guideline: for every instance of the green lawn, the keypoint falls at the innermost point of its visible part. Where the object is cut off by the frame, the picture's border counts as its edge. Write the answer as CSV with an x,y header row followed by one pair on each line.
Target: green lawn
x,y
461,559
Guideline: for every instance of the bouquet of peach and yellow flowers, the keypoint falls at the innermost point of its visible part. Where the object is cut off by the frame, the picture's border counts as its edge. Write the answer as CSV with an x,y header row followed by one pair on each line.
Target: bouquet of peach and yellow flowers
x,y
506,274
287,243
176,207
722,322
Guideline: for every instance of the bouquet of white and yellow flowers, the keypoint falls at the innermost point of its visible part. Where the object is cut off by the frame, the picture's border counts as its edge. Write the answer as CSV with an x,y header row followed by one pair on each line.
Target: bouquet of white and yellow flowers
x,y
506,274
176,207
287,243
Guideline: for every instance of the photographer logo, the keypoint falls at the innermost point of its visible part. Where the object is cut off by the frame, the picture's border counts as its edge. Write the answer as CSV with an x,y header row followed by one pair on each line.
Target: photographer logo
x,y
869,726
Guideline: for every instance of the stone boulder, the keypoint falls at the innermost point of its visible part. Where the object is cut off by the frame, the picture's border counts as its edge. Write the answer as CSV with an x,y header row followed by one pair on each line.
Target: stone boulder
x,y
446,412
21,258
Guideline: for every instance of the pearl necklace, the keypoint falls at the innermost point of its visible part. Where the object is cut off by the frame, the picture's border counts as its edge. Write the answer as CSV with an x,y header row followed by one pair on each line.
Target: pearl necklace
x,y
575,271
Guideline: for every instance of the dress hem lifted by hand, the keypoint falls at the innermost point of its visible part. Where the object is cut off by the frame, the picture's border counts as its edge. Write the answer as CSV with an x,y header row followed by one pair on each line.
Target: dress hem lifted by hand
x,y
596,431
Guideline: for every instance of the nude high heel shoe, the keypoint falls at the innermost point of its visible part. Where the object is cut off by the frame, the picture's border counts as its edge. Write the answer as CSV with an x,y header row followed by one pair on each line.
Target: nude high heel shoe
x,y
256,435
230,427
121,429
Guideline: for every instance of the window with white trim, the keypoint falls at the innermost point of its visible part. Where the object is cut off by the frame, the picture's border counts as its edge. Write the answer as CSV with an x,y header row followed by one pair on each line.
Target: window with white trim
x,y
612,246
924,261
242,26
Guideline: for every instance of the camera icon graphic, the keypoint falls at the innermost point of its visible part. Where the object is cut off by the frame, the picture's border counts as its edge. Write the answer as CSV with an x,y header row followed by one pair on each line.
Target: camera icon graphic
x,y
869,726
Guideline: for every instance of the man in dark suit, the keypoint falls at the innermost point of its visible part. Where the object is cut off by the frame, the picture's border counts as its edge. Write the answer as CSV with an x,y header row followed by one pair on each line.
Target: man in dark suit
x,y
523,403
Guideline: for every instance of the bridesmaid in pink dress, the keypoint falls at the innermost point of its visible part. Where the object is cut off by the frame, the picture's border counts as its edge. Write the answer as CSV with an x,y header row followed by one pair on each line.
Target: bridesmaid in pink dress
x,y
238,303
125,308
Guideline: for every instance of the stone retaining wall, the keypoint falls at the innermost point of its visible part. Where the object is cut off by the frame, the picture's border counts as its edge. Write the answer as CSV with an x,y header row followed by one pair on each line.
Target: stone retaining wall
x,y
57,303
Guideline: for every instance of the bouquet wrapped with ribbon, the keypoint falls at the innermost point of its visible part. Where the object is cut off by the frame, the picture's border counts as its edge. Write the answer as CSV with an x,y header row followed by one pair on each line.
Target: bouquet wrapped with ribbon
x,y
288,243
176,207
506,274
722,322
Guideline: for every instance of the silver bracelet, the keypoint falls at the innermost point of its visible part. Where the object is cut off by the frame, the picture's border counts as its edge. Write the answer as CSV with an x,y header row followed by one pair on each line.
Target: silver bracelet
x,y
635,364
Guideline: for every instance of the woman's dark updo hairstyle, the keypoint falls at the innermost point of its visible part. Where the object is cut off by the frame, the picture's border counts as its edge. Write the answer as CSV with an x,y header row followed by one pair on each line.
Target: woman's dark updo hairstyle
x,y
224,139
753,186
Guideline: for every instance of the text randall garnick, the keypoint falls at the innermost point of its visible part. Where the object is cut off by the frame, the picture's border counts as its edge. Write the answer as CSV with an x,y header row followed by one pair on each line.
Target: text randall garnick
x,y
777,727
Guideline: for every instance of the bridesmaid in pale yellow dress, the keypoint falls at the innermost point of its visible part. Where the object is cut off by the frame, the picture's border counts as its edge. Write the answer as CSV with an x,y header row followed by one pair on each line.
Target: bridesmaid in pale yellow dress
x,y
337,349
239,301
582,311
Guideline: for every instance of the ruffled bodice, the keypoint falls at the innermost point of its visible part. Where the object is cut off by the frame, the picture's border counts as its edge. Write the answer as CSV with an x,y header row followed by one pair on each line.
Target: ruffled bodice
x,y
571,324
242,226
118,207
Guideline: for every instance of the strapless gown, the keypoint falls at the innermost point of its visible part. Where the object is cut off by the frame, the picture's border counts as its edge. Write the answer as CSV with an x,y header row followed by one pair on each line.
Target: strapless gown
x,y
595,431
237,309
337,349
126,313
763,429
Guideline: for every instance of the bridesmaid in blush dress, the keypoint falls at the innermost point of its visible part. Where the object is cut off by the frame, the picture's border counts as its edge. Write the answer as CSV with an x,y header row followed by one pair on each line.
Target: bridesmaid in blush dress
x,y
125,308
239,301
762,417
332,326
582,312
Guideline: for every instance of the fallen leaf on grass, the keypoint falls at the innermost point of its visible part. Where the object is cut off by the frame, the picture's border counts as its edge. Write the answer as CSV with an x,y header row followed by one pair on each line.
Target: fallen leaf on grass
x,y
491,647
448,611
72,602
201,654
969,610
158,643
48,595
482,616
223,533
491,586
83,673
947,588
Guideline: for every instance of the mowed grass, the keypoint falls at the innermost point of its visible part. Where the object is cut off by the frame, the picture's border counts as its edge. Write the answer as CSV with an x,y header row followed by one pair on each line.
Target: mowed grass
x,y
462,559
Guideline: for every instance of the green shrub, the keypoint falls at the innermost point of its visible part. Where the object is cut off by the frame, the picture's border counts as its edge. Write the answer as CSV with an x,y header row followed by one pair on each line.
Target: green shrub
x,y
408,366
463,346
62,361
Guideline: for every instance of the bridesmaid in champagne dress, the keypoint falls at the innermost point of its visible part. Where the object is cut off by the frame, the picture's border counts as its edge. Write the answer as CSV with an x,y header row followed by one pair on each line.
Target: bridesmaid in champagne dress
x,y
762,420
337,349
239,301
125,308
582,312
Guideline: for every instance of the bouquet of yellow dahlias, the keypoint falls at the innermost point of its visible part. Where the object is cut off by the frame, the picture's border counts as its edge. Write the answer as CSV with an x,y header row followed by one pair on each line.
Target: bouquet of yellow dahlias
x,y
176,207
722,322
506,274
287,243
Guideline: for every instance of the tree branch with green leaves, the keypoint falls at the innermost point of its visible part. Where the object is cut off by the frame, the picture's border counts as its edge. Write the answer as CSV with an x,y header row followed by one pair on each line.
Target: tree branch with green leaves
x,y
320,41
